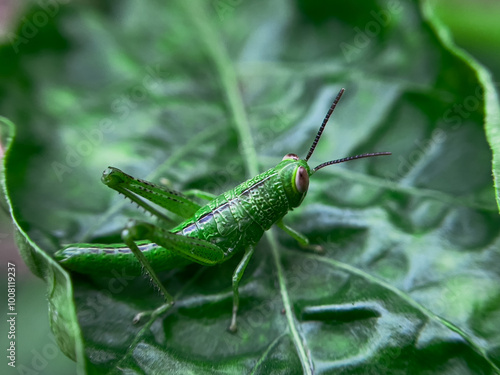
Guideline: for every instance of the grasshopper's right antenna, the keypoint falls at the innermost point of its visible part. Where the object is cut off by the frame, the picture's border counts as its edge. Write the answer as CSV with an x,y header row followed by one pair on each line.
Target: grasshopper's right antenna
x,y
338,161
322,127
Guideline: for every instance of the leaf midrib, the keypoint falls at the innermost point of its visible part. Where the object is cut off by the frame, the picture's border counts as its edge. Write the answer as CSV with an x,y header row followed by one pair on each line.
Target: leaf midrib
x,y
229,81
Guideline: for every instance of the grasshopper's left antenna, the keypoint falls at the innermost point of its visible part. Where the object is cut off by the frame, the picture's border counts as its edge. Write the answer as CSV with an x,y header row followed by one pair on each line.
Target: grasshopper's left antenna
x,y
322,127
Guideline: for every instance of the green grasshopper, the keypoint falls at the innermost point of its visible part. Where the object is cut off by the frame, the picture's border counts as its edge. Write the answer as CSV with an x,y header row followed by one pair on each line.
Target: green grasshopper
x,y
228,224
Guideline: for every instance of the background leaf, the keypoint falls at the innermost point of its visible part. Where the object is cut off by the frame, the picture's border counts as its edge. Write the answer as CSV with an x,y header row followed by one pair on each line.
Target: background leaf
x,y
204,94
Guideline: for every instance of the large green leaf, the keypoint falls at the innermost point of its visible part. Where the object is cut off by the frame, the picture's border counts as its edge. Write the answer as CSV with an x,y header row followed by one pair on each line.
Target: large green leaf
x,y
206,94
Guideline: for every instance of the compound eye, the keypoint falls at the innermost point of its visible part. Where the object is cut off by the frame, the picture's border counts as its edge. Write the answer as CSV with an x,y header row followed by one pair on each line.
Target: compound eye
x,y
290,156
301,180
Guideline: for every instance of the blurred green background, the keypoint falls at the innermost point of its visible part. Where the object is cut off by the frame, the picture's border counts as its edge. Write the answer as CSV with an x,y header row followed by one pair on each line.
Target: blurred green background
x,y
475,27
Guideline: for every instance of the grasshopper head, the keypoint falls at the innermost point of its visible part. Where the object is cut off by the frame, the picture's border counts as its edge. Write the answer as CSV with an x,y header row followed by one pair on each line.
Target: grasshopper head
x,y
295,172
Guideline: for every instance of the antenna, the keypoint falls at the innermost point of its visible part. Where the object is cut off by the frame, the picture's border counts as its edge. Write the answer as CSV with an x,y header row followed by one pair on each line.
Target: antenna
x,y
322,127
322,165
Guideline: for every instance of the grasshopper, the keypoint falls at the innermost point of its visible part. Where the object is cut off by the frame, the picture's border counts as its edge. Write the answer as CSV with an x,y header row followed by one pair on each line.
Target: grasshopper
x,y
228,224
